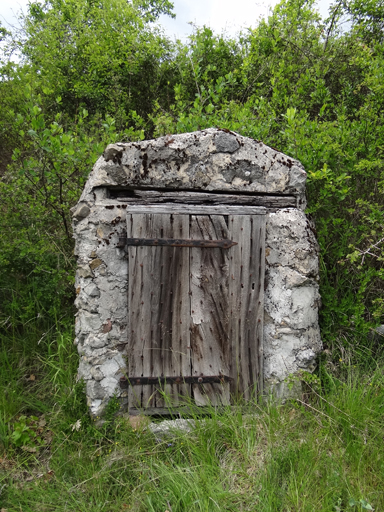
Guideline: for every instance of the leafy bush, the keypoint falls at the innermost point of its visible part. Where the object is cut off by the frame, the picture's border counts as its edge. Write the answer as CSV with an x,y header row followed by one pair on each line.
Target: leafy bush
x,y
305,85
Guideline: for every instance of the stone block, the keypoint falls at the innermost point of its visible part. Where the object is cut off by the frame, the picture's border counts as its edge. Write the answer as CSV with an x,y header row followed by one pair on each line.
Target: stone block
x,y
95,390
81,212
89,322
84,271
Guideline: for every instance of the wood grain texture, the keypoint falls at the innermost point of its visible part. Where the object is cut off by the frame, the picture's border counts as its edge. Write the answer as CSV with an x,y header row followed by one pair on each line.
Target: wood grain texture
x,y
185,209
139,308
209,310
246,276
258,248
178,242
204,198
196,311
157,299
178,288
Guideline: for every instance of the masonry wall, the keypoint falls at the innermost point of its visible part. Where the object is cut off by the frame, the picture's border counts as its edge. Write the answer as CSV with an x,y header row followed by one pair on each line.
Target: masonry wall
x,y
291,331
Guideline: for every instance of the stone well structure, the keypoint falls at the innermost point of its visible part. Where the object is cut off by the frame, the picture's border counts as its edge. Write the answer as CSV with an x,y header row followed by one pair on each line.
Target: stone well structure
x,y
211,167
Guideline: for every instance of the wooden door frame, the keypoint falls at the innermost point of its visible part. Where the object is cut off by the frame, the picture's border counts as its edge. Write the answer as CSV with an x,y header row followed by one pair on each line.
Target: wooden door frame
x,y
254,244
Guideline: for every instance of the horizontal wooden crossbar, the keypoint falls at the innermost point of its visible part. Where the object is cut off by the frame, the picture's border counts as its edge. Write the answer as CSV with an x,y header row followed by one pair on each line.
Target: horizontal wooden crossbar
x,y
176,242
150,197
202,379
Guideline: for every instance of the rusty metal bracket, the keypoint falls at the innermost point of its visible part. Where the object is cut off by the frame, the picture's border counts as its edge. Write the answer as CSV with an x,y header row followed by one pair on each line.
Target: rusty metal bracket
x,y
201,379
176,242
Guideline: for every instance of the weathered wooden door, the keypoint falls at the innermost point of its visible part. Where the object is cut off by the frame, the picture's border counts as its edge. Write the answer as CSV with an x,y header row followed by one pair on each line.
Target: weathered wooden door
x,y
195,313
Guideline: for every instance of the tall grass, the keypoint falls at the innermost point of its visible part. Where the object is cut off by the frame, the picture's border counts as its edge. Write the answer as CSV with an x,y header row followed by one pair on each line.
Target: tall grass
x,y
322,452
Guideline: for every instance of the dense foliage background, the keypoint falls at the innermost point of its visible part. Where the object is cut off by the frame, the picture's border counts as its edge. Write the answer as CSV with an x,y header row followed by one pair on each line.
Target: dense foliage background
x,y
86,73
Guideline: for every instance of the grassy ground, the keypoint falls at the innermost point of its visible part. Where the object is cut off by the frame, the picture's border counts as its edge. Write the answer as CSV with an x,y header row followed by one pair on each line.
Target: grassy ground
x,y
323,452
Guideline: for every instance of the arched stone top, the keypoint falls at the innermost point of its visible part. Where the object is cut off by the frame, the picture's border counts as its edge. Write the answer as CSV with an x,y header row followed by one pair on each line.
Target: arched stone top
x,y
207,160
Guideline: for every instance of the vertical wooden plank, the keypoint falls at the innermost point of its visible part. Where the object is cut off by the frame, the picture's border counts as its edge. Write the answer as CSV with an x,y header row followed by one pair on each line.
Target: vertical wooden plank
x,y
161,312
173,309
143,299
209,309
246,279
233,306
139,332
158,300
236,229
258,247
181,308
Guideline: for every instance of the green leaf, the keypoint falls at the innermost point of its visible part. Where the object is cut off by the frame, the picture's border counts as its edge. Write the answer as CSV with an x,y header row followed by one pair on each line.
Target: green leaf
x,y
366,505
